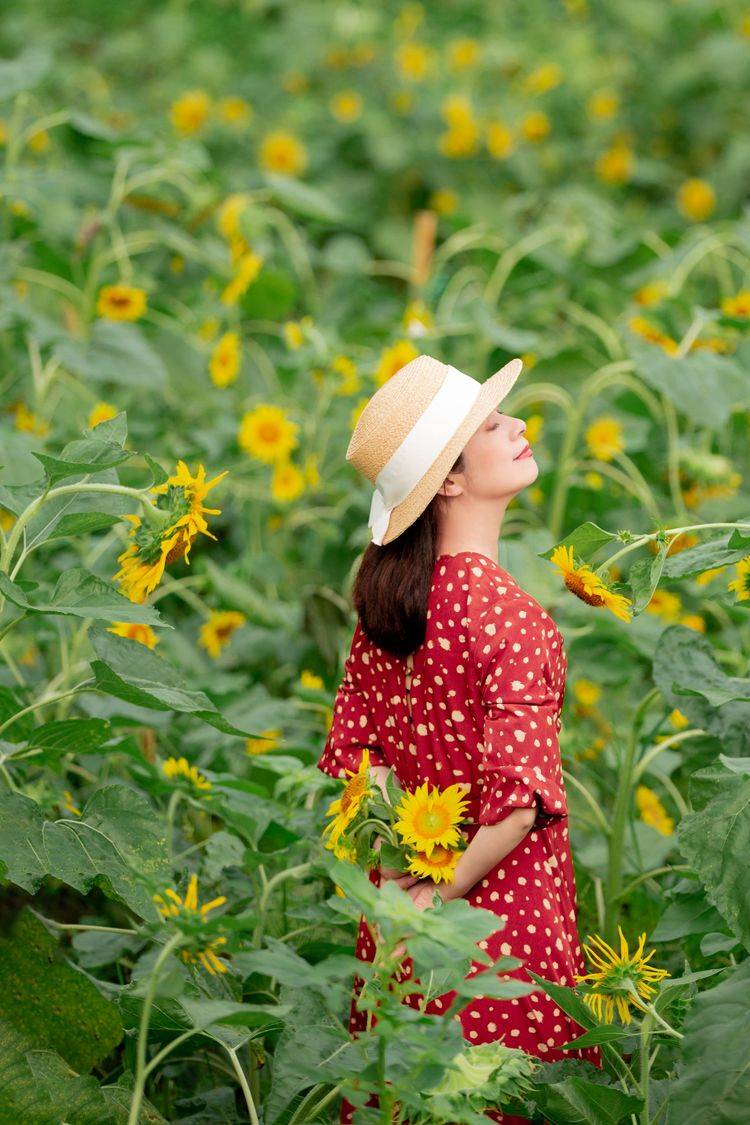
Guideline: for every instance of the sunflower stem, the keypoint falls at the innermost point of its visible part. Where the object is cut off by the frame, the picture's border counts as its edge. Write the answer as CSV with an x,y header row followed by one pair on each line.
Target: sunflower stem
x,y
148,1000
646,1026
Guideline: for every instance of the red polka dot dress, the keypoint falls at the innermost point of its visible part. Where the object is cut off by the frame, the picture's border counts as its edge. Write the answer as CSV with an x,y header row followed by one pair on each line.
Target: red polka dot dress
x,y
482,706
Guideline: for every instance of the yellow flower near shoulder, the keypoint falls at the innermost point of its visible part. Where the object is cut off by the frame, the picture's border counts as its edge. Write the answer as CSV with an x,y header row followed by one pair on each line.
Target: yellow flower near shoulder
x,y
189,112
440,866
287,482
175,909
737,306
267,740
615,166
346,106
590,587
430,819
603,104
414,61
121,302
536,126
652,293
652,811
463,53
344,809
234,110
247,269
741,584
665,605
444,201
267,433
282,152
144,634
216,632
604,438
102,412
696,199
179,768
224,364
392,359
613,974
499,138
310,679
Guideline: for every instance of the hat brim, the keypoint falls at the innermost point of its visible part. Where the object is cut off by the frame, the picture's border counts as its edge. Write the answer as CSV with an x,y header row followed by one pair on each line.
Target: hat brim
x,y
493,392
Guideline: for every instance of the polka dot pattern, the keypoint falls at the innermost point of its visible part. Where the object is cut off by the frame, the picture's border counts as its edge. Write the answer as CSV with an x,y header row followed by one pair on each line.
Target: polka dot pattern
x,y
482,707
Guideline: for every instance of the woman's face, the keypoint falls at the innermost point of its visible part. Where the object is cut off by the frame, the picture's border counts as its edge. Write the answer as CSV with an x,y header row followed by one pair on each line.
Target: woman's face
x,y
493,467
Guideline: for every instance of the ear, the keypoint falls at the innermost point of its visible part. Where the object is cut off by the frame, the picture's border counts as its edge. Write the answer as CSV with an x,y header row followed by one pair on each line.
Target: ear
x,y
450,487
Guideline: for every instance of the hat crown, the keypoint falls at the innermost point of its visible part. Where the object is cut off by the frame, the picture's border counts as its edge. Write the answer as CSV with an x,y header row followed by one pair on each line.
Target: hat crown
x,y
392,412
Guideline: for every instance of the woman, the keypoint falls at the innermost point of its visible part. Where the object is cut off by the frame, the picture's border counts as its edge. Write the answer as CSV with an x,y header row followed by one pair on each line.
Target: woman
x,y
457,675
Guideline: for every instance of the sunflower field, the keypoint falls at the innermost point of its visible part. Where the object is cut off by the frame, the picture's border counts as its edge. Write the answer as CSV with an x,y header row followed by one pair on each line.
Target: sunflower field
x,y
223,225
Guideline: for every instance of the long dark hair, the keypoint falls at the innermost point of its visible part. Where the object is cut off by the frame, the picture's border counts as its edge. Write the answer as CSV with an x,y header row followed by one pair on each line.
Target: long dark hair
x,y
392,587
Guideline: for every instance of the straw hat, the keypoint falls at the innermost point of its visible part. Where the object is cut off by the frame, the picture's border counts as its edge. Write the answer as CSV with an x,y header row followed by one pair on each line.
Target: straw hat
x,y
411,431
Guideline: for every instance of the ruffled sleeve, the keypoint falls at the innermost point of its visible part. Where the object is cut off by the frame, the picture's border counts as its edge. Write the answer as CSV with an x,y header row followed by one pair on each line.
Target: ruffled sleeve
x,y
520,754
352,726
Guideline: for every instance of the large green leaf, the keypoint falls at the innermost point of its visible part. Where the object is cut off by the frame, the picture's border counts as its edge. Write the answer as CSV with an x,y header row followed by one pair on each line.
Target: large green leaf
x,y
715,840
577,1101
304,199
24,71
130,671
118,844
714,1080
115,353
43,997
706,556
81,594
81,457
63,736
586,540
685,381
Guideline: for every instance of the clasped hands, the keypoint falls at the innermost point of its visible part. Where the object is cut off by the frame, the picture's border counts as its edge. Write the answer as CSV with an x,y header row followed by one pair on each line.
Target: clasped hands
x,y
420,891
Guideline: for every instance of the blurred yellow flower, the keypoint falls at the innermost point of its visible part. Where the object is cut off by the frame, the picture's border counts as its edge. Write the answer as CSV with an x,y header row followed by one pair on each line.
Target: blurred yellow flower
x,y
536,494
665,604
121,302
652,811
234,110
350,381
587,693
444,201
267,433
267,740
741,584
408,18
69,805
543,78
216,632
414,61
463,53
287,482
593,479
534,426
603,104
179,768
294,331
696,199
392,359
144,634
27,421
224,364
102,412
346,106
189,112
615,166
417,318
7,519
248,268
460,140
604,438
312,680
311,470
39,141
535,126
208,329
678,720
737,306
499,139
229,212
694,621
529,359
282,152
652,293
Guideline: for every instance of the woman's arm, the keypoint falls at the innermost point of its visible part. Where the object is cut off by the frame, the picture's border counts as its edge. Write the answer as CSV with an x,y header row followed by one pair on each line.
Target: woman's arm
x,y
491,844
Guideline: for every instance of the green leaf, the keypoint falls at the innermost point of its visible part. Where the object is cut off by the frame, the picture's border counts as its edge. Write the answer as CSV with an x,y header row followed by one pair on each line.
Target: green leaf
x,y
715,840
113,430
576,1101
304,199
63,736
82,457
607,1034
643,577
685,381
44,998
24,71
81,594
131,672
723,551
570,1002
116,353
586,539
714,1079
118,844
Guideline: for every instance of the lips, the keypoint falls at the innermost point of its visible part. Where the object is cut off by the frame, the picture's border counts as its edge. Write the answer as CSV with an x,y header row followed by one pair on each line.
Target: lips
x,y
524,452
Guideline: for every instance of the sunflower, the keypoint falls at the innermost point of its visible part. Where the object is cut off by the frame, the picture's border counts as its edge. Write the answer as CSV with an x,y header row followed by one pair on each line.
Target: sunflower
x,y
344,809
143,560
393,359
615,976
267,433
215,632
696,199
430,820
224,365
189,112
247,268
121,302
176,768
268,739
102,412
440,865
588,586
282,152
187,910
287,483
652,811
604,438
144,634
184,495
742,582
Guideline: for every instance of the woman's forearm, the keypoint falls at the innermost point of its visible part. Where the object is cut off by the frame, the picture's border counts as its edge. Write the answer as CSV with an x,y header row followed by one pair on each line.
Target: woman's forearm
x,y
491,843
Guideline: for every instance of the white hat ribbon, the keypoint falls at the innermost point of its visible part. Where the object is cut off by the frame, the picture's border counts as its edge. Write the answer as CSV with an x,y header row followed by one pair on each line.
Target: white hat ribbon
x,y
429,435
